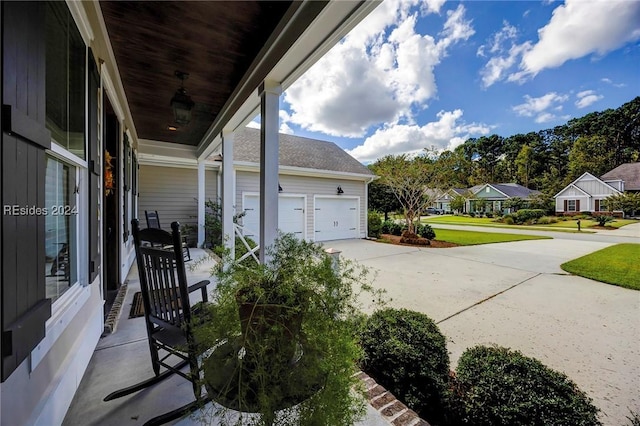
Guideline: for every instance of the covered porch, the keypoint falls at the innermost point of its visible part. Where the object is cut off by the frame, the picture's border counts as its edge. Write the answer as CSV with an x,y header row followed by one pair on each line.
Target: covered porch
x,y
122,359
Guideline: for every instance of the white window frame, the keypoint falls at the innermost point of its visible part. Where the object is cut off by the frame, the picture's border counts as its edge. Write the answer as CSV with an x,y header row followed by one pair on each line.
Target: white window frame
x,y
575,203
66,307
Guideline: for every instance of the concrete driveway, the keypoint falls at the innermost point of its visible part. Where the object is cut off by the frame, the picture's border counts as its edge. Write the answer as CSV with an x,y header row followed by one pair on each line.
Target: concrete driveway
x,y
516,295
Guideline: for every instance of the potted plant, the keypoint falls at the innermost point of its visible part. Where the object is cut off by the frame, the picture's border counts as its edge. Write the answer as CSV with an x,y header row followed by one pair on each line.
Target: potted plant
x,y
283,338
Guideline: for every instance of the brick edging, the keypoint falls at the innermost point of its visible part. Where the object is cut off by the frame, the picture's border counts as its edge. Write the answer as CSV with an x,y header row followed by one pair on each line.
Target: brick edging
x,y
389,407
111,322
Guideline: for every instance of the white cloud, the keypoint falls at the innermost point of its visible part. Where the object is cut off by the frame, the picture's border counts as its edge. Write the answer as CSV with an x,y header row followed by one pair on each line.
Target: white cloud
x,y
576,29
587,98
579,28
609,81
253,125
540,107
446,133
382,72
534,106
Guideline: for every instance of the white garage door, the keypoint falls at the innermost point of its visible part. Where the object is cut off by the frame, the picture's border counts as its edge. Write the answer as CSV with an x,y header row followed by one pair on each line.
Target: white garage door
x,y
336,218
291,216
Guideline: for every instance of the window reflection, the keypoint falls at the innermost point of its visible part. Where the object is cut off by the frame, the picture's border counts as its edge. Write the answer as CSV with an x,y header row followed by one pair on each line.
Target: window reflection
x,y
65,79
60,226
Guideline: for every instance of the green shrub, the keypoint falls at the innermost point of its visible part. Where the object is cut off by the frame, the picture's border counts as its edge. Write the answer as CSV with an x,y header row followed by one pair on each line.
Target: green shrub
x,y
508,220
496,386
384,229
489,215
406,353
396,228
374,224
527,215
425,231
472,214
603,220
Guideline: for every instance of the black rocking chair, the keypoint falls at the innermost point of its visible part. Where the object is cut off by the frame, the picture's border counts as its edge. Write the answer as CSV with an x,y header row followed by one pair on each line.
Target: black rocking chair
x,y
153,221
168,314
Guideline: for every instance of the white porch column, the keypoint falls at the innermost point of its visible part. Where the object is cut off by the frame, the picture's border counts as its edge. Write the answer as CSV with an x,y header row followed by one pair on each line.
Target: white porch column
x,y
201,200
228,198
269,109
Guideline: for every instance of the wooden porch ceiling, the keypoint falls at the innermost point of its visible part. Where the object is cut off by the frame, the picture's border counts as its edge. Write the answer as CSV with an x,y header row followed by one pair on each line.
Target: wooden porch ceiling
x,y
214,41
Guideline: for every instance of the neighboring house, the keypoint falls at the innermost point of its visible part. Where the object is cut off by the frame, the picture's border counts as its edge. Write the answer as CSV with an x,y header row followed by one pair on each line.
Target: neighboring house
x,y
625,177
91,87
443,201
586,193
310,203
495,194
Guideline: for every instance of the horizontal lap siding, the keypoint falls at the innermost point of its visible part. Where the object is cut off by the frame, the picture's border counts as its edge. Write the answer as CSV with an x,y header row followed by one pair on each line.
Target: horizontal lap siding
x,y
304,185
173,192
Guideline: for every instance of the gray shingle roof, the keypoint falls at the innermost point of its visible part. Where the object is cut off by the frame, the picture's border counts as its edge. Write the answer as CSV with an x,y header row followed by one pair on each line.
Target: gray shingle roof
x,y
514,190
297,151
629,173
510,189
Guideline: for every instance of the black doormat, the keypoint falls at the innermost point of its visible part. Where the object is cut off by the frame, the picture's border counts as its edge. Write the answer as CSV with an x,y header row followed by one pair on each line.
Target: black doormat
x,y
137,307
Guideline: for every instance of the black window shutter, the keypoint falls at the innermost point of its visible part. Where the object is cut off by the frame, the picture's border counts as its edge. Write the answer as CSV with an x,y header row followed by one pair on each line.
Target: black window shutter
x,y
94,169
25,307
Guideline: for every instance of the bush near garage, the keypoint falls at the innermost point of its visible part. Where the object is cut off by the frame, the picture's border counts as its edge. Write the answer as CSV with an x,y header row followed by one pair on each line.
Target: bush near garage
x,y
495,386
393,228
406,353
425,231
374,224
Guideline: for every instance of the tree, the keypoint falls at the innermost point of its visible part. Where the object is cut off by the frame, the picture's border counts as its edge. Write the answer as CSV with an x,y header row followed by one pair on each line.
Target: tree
x,y
525,164
382,199
543,201
458,202
628,202
514,204
407,178
589,154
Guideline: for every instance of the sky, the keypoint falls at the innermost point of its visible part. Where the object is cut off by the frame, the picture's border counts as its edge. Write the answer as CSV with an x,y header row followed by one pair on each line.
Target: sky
x,y
433,73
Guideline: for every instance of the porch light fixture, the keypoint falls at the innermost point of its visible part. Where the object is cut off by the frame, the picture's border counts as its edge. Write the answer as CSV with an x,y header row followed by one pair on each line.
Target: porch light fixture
x,y
217,157
181,102
339,190
279,187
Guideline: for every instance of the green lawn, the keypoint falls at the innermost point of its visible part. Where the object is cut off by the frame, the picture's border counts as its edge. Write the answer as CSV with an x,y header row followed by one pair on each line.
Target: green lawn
x,y
469,238
483,221
617,265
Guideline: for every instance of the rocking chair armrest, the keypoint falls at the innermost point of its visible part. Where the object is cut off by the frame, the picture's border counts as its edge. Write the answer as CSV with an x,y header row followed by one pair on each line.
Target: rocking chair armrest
x,y
202,286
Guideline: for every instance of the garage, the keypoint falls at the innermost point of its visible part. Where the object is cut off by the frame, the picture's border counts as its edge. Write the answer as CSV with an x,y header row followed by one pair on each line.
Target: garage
x,y
291,215
336,218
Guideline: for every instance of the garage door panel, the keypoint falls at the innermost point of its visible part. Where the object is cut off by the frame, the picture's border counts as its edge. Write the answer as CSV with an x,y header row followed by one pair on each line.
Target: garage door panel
x,y
291,216
336,219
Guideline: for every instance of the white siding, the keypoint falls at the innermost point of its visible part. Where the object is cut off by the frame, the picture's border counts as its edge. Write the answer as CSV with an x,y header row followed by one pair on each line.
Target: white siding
x,y
173,192
595,187
309,186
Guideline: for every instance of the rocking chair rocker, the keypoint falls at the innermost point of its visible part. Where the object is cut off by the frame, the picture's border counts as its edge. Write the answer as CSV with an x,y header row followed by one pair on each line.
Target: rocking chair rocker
x,y
168,314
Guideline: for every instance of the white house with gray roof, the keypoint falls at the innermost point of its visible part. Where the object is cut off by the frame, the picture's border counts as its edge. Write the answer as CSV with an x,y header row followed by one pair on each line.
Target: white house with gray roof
x,y
322,189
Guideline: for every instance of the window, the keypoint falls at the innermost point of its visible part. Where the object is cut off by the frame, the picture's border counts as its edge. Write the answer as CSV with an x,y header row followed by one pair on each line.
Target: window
x,y
65,79
602,205
60,227
571,205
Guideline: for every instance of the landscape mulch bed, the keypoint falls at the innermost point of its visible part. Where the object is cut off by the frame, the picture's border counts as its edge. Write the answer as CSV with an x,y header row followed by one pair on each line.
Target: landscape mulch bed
x,y
395,239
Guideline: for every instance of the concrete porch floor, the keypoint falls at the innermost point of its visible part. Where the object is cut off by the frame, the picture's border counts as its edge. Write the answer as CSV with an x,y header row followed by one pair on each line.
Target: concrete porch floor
x,y
122,359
